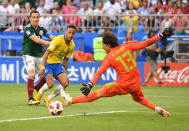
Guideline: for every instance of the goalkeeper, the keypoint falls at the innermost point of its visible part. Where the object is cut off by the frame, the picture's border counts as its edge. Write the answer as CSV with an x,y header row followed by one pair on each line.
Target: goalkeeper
x,y
121,58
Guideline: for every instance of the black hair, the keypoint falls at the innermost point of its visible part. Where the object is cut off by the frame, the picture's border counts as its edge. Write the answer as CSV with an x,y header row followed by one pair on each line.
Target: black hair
x,y
110,39
34,11
71,26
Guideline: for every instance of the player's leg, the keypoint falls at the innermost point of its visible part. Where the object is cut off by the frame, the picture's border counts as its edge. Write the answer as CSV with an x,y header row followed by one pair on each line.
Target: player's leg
x,y
139,97
108,90
56,92
41,82
29,64
49,84
49,73
42,79
62,77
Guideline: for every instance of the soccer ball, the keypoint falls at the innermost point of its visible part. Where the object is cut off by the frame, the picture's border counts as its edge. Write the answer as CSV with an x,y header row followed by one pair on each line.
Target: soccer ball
x,y
56,108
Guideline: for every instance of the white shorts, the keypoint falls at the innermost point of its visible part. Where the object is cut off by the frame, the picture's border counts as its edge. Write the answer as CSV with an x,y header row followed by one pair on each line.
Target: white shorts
x,y
31,62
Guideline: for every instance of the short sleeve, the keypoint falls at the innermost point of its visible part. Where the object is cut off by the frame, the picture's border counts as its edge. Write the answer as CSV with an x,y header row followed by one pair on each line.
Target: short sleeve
x,y
53,45
27,32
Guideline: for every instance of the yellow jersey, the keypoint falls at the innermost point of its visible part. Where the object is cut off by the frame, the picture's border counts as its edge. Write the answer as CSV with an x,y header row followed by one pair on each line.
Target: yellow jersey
x,y
60,49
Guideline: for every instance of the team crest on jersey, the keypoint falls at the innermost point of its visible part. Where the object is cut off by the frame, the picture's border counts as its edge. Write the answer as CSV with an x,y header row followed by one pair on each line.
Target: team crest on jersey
x,y
41,33
28,32
51,45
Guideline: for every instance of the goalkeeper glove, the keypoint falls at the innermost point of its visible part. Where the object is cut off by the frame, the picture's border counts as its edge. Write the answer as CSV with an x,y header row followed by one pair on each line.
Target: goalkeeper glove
x,y
166,33
86,88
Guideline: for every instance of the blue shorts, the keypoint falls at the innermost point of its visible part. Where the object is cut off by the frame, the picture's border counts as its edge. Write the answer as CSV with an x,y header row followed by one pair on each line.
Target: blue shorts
x,y
54,69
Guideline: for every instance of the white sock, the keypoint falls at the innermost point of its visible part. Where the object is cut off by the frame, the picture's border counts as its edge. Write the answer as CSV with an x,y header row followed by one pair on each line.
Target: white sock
x,y
55,92
157,109
70,100
43,89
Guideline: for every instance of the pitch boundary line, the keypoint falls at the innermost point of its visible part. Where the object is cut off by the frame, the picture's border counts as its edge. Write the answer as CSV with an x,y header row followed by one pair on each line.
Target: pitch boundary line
x,y
72,115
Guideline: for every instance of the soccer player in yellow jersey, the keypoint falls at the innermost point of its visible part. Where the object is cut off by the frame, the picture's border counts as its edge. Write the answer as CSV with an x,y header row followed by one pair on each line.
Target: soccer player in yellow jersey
x,y
52,67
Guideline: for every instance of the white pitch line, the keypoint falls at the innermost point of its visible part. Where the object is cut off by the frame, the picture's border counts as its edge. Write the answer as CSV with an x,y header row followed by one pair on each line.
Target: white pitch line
x,y
49,117
81,114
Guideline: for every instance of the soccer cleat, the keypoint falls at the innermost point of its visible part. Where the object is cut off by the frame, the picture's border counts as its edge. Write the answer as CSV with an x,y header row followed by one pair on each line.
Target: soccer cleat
x,y
47,101
34,92
162,112
66,97
38,96
33,102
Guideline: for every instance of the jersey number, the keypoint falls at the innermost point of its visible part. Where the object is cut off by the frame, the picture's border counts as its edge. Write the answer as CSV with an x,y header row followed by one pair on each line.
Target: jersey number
x,y
119,58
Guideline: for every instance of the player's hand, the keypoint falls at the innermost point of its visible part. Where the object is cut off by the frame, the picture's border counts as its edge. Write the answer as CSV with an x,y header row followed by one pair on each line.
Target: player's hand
x,y
86,88
158,50
41,73
166,32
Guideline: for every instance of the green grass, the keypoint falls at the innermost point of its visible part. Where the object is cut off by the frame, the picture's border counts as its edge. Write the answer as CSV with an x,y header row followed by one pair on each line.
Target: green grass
x,y
13,105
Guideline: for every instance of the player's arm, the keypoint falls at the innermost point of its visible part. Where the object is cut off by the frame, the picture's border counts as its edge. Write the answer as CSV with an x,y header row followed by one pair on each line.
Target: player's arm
x,y
65,63
140,45
51,37
34,38
37,40
52,47
103,67
66,58
48,35
45,56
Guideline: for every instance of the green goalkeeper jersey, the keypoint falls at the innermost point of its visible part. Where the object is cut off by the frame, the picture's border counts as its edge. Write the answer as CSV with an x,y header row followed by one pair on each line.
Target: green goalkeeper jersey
x,y
30,47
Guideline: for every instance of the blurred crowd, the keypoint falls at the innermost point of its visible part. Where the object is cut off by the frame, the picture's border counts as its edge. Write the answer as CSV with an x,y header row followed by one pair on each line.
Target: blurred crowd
x,y
96,15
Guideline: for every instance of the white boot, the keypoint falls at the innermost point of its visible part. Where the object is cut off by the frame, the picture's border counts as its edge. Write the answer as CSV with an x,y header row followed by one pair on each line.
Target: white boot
x,y
66,97
162,112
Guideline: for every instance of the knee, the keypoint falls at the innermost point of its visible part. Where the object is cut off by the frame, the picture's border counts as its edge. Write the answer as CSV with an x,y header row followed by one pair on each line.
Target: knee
x,y
31,77
136,99
65,84
50,85
31,73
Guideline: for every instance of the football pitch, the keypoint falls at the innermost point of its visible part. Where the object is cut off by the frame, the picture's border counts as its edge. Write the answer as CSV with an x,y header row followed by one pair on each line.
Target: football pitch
x,y
119,113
